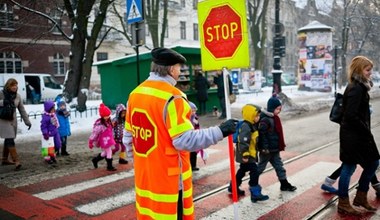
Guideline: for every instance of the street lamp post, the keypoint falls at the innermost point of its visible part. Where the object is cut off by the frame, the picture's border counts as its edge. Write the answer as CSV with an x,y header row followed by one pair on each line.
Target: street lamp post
x,y
278,50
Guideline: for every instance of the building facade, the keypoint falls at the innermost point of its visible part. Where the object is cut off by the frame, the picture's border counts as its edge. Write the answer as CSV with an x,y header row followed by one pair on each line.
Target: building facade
x,y
29,43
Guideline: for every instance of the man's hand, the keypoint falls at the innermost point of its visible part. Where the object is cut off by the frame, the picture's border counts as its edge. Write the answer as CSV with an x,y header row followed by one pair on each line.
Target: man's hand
x,y
228,127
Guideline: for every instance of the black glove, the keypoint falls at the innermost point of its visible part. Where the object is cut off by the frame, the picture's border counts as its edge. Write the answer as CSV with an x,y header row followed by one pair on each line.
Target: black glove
x,y
228,127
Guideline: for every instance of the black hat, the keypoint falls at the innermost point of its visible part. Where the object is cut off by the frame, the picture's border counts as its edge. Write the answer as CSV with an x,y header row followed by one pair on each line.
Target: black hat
x,y
166,57
273,103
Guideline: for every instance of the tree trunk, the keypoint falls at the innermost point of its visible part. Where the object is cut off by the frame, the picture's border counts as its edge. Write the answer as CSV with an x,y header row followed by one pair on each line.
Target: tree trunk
x,y
71,84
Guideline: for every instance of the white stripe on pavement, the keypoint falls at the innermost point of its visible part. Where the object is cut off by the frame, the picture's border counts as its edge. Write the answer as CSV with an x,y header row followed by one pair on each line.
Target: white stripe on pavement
x,y
304,180
70,189
103,205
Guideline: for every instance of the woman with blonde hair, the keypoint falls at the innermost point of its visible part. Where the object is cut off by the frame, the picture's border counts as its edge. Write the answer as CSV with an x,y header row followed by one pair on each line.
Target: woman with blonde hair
x,y
357,145
9,101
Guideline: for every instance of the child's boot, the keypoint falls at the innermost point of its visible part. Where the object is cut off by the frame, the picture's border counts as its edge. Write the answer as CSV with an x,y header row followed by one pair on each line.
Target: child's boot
x,y
53,160
376,187
109,165
122,159
328,186
256,194
96,159
286,186
64,151
239,191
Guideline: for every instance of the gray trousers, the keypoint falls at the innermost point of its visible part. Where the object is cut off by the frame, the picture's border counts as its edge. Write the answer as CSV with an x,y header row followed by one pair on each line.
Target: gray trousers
x,y
276,161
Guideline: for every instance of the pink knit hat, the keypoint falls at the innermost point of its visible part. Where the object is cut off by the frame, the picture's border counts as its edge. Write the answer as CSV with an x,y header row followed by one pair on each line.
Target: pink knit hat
x,y
104,111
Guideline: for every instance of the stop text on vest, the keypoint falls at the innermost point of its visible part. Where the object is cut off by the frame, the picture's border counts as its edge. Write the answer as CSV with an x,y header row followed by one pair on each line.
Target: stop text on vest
x,y
139,132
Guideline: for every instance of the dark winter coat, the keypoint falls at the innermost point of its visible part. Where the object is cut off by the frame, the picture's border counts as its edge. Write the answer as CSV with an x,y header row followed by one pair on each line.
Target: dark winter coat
x,y
357,145
268,137
218,81
201,85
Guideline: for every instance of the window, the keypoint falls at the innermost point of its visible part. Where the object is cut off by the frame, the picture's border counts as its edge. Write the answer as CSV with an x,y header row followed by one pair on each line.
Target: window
x,y
59,64
101,56
195,32
51,83
6,16
183,30
56,15
10,62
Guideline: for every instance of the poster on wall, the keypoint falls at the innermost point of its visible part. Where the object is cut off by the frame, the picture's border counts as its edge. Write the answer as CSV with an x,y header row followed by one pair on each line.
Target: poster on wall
x,y
315,60
251,80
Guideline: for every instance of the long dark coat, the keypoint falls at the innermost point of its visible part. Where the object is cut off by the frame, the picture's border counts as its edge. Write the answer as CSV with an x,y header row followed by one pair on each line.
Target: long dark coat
x,y
219,82
201,85
357,145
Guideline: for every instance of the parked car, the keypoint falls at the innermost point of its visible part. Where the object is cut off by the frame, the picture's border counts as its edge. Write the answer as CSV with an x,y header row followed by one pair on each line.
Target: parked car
x,y
34,87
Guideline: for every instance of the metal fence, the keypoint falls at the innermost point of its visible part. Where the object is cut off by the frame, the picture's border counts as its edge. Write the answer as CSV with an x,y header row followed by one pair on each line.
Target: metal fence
x,y
90,112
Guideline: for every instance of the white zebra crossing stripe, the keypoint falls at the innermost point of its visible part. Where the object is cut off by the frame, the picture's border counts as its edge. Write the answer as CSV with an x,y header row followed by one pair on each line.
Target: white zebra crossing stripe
x,y
103,205
74,188
304,180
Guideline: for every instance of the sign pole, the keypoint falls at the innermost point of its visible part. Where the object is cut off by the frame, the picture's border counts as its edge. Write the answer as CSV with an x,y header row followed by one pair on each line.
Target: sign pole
x,y
230,144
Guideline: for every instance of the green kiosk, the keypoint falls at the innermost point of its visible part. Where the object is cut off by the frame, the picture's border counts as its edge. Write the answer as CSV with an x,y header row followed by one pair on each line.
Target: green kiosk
x,y
119,77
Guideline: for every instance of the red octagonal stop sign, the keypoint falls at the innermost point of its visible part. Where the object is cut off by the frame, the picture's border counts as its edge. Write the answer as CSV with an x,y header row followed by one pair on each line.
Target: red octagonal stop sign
x,y
144,132
222,31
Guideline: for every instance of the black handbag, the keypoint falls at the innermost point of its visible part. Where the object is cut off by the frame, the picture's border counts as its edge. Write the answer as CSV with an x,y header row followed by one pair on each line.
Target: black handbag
x,y
6,111
336,113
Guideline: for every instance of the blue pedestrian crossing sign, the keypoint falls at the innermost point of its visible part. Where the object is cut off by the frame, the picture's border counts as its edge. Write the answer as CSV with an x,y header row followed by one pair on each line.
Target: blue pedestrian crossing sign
x,y
135,11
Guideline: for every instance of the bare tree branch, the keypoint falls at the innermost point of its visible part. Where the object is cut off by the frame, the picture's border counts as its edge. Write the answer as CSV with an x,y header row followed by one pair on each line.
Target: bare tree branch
x,y
45,16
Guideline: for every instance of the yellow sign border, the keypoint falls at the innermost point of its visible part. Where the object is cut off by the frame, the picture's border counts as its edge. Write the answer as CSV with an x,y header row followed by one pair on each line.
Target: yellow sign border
x,y
240,58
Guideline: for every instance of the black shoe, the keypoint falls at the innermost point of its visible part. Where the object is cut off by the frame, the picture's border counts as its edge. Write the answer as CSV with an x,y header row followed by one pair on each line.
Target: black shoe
x,y
65,153
194,168
111,169
18,167
288,187
239,191
123,161
53,160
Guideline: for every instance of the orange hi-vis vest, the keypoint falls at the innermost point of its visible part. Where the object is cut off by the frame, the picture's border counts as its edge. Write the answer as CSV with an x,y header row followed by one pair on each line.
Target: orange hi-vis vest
x,y
157,112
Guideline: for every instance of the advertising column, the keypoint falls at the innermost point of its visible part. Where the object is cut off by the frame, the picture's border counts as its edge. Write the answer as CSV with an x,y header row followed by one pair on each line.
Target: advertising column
x,y
315,60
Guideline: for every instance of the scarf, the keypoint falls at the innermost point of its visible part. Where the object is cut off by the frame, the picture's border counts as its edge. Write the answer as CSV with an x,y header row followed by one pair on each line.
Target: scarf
x,y
278,128
53,119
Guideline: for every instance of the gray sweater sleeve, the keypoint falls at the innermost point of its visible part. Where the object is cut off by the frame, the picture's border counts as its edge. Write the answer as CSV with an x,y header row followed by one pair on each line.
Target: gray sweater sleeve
x,y
194,140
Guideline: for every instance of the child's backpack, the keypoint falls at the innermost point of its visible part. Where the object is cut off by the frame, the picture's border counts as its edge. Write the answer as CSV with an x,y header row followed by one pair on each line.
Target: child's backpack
x,y
236,134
